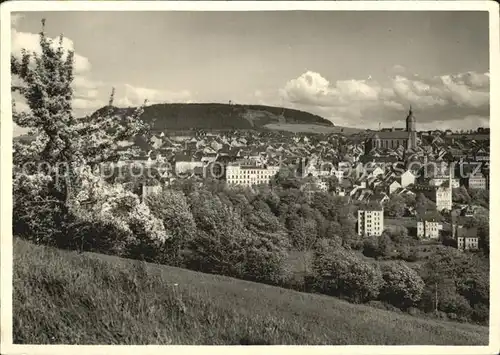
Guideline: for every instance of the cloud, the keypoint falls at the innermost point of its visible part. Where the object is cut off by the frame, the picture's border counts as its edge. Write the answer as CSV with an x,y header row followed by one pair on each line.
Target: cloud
x,y
398,69
31,42
313,89
439,100
88,94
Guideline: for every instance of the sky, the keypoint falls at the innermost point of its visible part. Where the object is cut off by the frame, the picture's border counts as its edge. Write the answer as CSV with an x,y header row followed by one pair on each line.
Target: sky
x,y
354,68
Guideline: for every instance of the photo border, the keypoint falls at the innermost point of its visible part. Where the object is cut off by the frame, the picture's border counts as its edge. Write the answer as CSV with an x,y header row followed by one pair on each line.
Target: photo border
x,y
7,347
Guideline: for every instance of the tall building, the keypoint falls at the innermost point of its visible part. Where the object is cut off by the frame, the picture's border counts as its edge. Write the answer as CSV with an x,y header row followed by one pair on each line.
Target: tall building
x,y
393,138
411,129
371,221
444,194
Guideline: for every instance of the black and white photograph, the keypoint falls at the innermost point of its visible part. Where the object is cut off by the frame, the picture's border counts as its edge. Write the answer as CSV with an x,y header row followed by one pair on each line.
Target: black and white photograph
x,y
249,174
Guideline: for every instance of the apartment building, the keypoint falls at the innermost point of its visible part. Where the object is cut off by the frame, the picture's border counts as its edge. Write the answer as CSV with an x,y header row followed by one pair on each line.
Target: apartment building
x,y
371,221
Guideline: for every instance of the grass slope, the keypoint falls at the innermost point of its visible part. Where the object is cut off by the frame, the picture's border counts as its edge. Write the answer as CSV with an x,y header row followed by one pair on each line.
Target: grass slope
x,y
311,128
213,116
71,298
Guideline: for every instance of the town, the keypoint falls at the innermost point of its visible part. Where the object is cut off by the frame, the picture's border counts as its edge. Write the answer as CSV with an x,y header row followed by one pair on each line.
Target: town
x,y
447,169
241,184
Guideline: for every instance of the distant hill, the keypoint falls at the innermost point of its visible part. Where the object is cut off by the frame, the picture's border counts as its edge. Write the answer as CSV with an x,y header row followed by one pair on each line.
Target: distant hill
x,y
182,116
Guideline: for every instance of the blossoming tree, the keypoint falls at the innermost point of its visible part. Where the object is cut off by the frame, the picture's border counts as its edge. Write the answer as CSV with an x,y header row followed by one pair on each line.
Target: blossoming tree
x,y
55,177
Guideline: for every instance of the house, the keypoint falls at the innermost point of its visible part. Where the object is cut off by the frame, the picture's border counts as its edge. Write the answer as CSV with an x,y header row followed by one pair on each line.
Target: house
x,y
467,211
476,181
374,171
467,239
440,195
407,178
186,164
207,158
394,186
428,228
315,185
371,221
340,191
156,141
439,180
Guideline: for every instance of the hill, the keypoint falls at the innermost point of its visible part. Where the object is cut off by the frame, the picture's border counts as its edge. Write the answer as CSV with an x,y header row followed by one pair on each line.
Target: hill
x,y
180,116
72,298
312,128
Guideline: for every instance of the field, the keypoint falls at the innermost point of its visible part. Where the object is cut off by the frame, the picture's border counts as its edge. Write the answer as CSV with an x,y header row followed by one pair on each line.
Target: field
x,y
311,128
71,298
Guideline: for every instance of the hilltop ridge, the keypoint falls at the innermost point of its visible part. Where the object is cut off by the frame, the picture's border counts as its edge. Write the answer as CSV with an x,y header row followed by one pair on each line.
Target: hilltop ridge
x,y
182,116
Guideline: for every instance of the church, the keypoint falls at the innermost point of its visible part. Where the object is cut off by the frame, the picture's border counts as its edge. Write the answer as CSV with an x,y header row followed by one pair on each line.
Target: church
x,y
392,138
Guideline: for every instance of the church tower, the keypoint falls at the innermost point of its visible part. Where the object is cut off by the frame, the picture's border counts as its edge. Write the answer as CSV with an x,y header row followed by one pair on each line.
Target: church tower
x,y
412,132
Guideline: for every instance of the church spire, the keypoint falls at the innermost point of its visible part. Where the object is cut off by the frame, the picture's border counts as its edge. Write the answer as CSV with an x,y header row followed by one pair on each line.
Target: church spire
x,y
411,129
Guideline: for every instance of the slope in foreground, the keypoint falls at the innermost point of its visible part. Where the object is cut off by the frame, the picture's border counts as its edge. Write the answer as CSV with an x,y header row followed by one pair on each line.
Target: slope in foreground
x,y
66,297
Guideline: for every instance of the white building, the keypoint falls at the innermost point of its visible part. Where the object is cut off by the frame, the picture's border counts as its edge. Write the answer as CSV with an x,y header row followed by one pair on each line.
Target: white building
x,y
370,222
182,167
428,229
477,181
443,195
394,186
251,174
443,198
407,178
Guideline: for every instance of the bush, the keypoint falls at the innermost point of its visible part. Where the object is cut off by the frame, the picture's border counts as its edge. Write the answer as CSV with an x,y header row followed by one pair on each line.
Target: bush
x,y
341,273
402,287
480,313
376,247
455,304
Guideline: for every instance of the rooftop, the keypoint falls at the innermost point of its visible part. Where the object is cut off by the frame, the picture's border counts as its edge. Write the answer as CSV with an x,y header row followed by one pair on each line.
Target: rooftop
x,y
389,135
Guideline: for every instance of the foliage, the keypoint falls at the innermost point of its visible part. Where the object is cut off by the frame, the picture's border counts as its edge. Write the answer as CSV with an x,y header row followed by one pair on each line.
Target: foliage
x,y
172,208
378,246
479,197
395,207
64,147
111,204
225,246
423,205
286,178
452,273
402,287
58,295
185,116
339,272
460,195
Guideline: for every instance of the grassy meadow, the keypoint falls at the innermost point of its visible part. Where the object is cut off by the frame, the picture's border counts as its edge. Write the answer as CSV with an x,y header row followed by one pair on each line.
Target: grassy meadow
x,y
63,297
